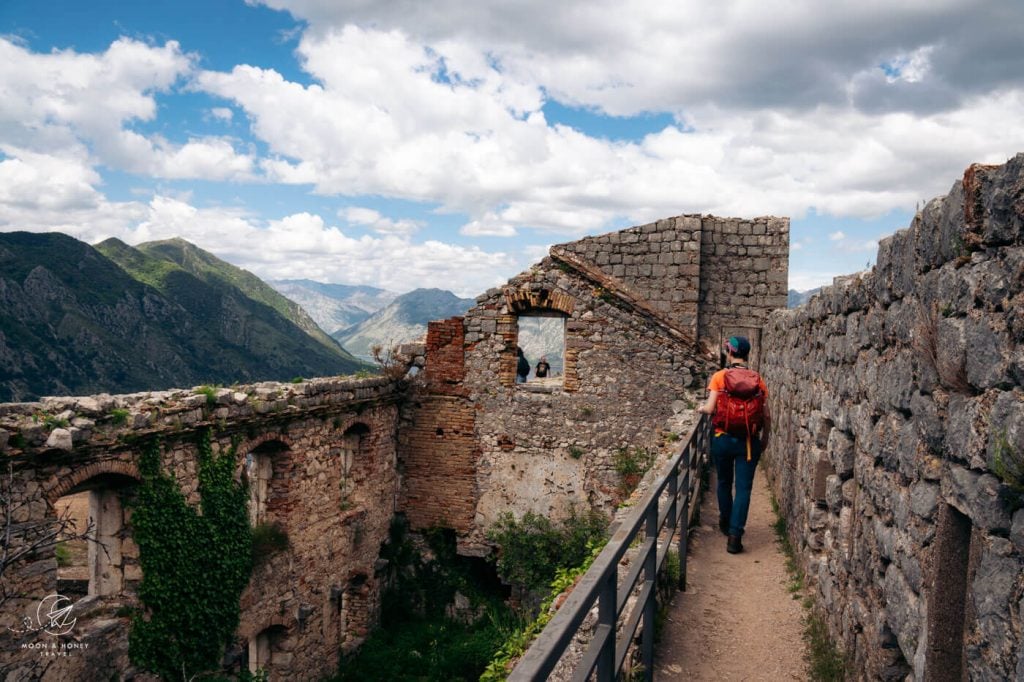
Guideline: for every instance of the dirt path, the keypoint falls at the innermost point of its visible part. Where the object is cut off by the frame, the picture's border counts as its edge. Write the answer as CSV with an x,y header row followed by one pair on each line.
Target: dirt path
x,y
737,620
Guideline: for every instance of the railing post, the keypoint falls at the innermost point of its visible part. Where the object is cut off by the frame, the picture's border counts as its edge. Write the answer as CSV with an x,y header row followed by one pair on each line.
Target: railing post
x,y
650,577
672,522
684,517
607,616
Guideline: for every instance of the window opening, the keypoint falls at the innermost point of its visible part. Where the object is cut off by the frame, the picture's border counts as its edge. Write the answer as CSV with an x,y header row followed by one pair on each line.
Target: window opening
x,y
105,563
542,340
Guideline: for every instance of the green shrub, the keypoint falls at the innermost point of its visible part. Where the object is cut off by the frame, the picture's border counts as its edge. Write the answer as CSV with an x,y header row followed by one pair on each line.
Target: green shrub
x,y
824,660
533,548
632,462
210,392
119,416
419,648
518,640
416,641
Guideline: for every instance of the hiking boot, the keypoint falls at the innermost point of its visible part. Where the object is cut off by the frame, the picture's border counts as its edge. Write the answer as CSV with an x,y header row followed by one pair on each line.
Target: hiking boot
x,y
723,525
733,545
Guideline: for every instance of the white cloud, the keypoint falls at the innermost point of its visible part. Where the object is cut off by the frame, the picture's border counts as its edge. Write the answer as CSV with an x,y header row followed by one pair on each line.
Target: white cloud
x,y
780,108
837,236
46,183
629,56
368,217
222,113
72,104
858,246
415,109
300,245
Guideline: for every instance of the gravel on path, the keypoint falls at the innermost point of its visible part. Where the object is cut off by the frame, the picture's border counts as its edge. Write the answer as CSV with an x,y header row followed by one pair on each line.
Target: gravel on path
x,y
737,619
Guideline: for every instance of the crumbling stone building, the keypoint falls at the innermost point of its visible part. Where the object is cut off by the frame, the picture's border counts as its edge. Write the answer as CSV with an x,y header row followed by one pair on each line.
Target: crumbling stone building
x,y
634,306
331,461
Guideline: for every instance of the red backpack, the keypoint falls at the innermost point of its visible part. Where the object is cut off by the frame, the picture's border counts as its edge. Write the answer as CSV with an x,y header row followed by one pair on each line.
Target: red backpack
x,y
739,410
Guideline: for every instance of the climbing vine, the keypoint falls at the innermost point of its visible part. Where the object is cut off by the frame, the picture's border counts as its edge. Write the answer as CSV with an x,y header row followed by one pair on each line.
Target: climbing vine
x,y
194,565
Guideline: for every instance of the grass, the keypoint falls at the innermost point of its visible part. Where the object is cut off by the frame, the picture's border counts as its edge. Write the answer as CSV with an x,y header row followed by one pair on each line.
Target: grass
x,y
63,554
825,662
210,392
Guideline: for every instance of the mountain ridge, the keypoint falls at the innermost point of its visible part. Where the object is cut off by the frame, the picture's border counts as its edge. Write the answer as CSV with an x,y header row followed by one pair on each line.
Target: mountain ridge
x,y
334,307
74,322
404,319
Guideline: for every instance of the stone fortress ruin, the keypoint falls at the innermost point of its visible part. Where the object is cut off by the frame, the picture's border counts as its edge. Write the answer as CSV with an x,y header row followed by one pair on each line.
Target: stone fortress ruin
x,y
895,393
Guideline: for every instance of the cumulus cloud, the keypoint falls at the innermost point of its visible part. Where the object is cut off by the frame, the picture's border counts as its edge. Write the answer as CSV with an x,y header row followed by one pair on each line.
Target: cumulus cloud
x,y
408,105
627,56
76,105
303,245
849,110
368,217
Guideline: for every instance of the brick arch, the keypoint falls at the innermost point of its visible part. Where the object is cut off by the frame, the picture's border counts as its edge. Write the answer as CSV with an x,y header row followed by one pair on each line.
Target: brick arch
x,y
247,446
249,631
541,302
522,301
63,485
358,427
270,491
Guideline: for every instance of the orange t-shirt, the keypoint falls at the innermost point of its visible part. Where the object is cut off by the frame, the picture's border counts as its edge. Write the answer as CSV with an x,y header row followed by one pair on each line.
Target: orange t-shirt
x,y
717,382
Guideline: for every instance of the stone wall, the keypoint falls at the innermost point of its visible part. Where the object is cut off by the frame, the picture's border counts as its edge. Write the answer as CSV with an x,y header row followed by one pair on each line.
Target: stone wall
x,y
332,486
330,461
744,273
899,413
709,276
630,303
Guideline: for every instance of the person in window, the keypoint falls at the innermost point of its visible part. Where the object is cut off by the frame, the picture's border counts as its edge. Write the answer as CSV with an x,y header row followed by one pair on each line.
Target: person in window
x,y
543,367
522,367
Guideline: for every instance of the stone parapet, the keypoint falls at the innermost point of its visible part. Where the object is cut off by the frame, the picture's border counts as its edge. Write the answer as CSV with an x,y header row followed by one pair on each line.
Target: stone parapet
x,y
898,454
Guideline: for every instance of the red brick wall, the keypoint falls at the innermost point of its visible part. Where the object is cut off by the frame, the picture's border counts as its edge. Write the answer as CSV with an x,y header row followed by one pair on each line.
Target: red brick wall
x,y
446,368
439,454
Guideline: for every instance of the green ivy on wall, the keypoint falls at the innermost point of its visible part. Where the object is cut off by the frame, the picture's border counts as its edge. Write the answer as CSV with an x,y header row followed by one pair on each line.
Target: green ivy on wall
x,y
194,565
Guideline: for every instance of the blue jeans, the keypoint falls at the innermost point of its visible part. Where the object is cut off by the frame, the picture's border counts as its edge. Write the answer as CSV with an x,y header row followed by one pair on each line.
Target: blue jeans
x,y
730,455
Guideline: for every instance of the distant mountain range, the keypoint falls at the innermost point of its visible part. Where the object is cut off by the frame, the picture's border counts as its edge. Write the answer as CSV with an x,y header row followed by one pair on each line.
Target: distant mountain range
x,y
404,319
796,298
543,337
334,307
75,319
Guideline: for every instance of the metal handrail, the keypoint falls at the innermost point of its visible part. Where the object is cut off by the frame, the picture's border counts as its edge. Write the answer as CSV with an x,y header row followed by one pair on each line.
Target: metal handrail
x,y
607,652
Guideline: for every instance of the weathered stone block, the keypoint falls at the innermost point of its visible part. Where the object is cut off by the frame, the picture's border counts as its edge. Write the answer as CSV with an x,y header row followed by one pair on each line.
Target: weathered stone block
x,y
978,496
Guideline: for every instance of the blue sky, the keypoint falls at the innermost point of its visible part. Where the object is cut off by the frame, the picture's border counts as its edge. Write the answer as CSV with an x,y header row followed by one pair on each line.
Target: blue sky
x,y
447,144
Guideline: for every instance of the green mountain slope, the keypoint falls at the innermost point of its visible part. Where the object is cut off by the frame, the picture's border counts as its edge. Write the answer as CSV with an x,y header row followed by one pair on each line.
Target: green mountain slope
x,y
215,271
73,322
